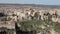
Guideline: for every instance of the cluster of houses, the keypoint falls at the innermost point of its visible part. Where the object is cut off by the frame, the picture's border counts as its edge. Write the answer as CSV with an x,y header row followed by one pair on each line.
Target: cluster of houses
x,y
27,13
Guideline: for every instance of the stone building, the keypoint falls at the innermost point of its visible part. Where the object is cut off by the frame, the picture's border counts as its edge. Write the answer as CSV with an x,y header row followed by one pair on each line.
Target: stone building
x,y
6,26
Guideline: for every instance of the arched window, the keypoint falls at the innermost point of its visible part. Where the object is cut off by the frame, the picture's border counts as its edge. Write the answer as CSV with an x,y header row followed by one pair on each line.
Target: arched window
x,y
2,14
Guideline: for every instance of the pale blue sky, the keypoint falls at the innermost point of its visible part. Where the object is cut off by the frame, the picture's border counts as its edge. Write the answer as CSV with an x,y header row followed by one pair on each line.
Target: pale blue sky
x,y
46,2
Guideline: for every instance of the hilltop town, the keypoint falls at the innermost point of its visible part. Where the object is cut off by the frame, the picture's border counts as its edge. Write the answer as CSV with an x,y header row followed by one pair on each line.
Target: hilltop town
x,y
11,14
29,12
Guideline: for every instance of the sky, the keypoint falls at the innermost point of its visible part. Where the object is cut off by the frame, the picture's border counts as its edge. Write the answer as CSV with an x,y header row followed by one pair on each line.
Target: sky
x,y
45,2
